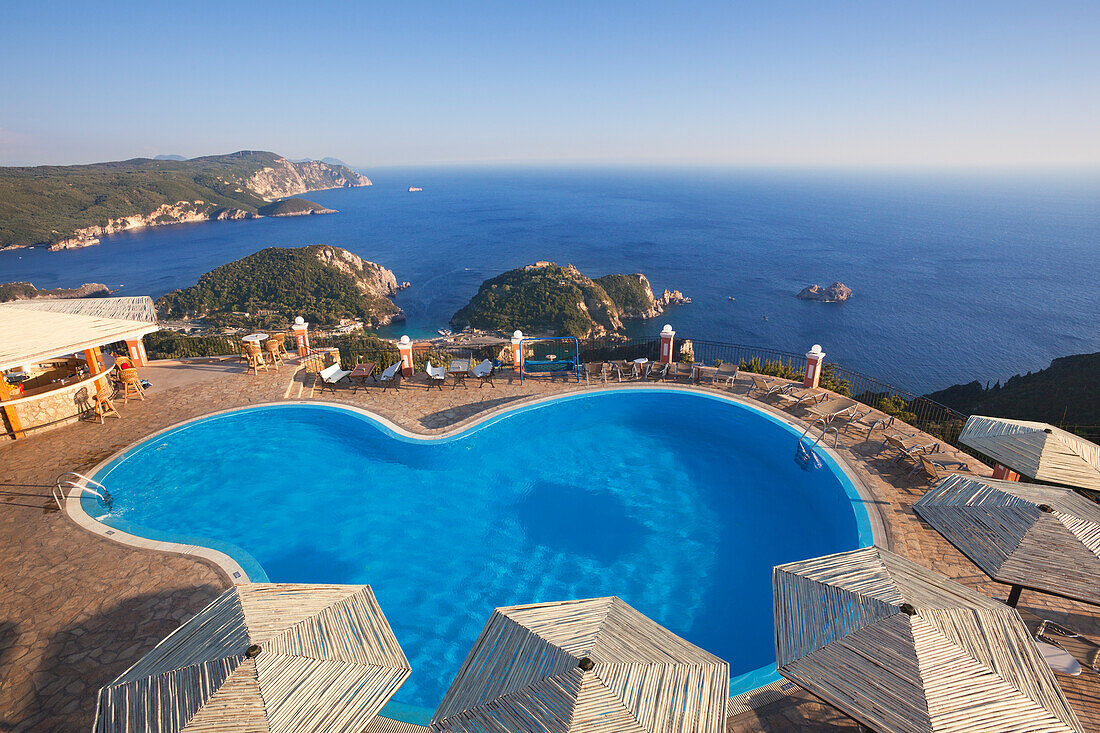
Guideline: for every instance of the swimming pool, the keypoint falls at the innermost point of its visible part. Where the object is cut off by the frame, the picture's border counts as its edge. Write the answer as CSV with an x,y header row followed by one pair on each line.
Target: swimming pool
x,y
679,502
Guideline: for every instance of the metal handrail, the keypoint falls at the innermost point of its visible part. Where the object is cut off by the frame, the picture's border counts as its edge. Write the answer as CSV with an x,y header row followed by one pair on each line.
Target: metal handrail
x,y
62,483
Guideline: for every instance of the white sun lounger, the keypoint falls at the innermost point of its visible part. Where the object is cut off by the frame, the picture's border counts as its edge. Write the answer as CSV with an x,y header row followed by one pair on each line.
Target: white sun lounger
x,y
436,375
330,375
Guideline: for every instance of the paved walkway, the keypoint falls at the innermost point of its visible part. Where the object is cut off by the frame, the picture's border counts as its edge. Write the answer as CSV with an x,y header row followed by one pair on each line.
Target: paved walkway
x,y
76,610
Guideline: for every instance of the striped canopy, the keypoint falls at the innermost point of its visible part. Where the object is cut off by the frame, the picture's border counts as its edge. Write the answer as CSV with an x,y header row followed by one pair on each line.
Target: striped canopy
x,y
1034,536
264,657
591,666
901,648
1037,450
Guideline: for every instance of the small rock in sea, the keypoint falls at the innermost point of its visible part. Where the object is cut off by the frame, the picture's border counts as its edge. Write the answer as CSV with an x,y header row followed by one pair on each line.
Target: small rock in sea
x,y
836,293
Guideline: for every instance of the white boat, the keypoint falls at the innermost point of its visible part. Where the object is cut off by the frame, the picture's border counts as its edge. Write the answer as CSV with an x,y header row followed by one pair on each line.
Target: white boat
x,y
445,332
414,189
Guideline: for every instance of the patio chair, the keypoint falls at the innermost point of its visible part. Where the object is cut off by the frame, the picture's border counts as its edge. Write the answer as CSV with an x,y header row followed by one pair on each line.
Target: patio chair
x,y
329,376
768,386
484,373
658,372
280,339
726,375
436,375
1080,648
936,465
254,357
630,371
102,405
271,353
910,451
131,384
391,377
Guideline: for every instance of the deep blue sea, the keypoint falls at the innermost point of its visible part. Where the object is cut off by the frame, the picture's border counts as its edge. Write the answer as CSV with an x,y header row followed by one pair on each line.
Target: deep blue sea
x,y
955,277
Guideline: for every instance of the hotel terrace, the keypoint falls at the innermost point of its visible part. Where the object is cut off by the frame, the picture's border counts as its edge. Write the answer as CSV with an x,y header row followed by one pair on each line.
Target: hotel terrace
x,y
959,535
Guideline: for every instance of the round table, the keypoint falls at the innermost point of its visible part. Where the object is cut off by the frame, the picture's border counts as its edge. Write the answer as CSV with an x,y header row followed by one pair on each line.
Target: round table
x,y
255,337
643,360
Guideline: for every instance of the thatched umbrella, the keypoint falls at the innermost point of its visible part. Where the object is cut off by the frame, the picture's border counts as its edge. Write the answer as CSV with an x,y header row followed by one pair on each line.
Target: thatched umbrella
x,y
1037,450
591,666
901,648
1029,536
264,657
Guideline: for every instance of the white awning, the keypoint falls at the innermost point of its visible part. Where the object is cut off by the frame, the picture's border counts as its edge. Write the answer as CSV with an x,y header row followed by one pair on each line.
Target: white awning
x,y
34,330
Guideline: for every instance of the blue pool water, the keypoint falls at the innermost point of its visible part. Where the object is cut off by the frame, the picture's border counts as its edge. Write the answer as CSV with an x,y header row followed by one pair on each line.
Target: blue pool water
x,y
679,503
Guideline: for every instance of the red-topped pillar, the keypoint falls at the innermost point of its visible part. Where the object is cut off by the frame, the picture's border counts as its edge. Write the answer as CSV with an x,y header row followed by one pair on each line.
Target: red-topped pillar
x,y
405,347
301,334
136,349
517,350
667,336
814,359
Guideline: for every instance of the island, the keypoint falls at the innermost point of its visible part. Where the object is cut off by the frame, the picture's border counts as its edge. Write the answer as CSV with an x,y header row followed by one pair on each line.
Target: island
x,y
838,292
547,299
293,207
326,285
27,291
73,206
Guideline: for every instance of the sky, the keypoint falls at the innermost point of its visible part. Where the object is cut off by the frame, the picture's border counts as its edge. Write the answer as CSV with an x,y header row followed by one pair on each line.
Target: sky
x,y
873,84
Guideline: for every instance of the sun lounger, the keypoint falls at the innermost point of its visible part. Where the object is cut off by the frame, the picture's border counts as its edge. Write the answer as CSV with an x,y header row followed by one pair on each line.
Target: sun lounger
x,y
629,371
768,386
391,376
329,376
484,373
937,465
681,371
795,394
832,408
657,372
1081,649
908,450
436,375
867,421
726,374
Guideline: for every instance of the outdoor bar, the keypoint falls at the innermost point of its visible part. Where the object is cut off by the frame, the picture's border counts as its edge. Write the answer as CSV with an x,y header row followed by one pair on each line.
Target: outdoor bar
x,y
51,356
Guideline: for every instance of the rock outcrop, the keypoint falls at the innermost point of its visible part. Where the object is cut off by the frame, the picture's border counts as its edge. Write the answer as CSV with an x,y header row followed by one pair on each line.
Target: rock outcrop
x,y
672,297
836,293
27,291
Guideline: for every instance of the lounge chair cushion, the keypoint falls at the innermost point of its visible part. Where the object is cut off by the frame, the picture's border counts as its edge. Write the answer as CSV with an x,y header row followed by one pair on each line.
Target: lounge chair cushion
x,y
333,374
483,369
388,372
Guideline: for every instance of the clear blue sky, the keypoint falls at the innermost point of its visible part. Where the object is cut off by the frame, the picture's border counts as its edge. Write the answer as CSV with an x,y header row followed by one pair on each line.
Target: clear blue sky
x,y
876,83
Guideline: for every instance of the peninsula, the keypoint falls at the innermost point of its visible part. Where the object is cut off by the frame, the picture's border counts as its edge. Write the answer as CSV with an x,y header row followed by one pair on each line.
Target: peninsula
x,y
545,298
326,285
72,206
27,291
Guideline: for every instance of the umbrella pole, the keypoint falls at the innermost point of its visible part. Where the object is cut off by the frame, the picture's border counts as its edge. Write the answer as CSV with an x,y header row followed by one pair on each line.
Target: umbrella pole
x,y
1014,596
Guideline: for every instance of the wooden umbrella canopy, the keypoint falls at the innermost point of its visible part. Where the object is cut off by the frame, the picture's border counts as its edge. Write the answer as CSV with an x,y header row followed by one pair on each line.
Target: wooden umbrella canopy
x,y
901,648
589,666
264,657
1027,535
1037,450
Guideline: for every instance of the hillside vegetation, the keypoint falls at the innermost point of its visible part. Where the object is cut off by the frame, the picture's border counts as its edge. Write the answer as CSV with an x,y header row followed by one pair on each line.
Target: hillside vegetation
x,y
271,287
555,300
292,207
50,204
1066,392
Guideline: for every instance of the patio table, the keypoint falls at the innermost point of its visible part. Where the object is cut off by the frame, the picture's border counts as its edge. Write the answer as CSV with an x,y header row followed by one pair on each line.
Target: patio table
x,y
361,372
255,337
459,369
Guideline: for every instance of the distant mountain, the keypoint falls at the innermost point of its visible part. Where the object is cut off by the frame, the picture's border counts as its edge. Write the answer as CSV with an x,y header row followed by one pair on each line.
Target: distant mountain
x,y
1066,392
335,161
545,298
72,206
169,157
271,287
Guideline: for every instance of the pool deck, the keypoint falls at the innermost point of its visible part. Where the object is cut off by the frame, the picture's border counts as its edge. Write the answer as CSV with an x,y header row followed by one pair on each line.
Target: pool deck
x,y
76,610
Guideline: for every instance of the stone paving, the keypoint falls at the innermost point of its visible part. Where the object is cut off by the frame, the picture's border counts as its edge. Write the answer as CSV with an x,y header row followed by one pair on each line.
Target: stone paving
x,y
77,610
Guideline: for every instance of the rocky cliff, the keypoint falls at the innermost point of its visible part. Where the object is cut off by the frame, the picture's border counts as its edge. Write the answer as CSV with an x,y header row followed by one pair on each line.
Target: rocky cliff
x,y
548,299
27,291
180,212
283,178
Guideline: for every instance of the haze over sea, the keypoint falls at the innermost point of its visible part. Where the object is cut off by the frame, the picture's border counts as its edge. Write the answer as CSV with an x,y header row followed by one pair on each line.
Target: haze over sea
x,y
955,277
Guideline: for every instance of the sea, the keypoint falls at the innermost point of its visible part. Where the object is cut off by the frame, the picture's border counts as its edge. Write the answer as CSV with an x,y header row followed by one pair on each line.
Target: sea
x,y
955,277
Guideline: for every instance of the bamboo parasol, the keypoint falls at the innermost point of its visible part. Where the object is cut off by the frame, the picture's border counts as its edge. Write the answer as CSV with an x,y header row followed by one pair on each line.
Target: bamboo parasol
x,y
264,657
900,648
1029,536
590,666
1037,450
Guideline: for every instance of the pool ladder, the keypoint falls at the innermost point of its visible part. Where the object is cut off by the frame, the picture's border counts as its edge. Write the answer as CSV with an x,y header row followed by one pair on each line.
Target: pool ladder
x,y
72,480
804,454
